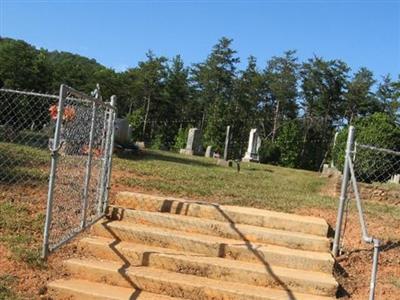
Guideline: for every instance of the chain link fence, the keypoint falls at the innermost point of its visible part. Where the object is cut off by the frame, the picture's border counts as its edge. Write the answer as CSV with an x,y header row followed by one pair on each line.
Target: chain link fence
x,y
25,129
376,165
364,164
80,167
74,130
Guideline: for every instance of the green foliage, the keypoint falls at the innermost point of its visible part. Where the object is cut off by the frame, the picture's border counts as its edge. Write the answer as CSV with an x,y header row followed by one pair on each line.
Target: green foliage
x,y
269,152
289,144
215,82
388,94
161,94
157,142
181,138
379,130
135,119
360,100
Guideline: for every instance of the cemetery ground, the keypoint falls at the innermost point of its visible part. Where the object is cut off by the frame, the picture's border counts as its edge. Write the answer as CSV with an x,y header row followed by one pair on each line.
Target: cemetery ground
x,y
23,275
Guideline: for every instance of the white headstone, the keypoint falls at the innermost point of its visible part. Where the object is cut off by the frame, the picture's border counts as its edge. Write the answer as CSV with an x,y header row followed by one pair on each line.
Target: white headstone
x,y
253,146
193,144
209,152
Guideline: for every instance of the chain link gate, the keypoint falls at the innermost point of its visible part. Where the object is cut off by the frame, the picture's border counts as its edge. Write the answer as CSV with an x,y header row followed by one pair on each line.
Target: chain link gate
x,y
81,158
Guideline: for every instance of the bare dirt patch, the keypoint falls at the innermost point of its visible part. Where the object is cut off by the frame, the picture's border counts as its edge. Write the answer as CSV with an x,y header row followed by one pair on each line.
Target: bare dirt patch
x,y
355,264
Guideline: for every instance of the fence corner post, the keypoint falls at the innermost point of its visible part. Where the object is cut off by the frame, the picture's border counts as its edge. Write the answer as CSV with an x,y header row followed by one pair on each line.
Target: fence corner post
x,y
343,191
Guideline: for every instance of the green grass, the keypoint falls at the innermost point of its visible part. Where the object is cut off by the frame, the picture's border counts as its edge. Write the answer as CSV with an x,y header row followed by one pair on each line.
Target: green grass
x,y
19,163
257,185
21,232
395,281
6,285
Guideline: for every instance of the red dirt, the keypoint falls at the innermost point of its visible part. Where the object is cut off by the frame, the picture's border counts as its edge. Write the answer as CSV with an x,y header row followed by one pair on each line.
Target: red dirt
x,y
356,262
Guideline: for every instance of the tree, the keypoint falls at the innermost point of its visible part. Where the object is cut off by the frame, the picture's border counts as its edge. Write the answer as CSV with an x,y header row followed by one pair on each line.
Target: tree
x,y
19,65
282,74
388,94
323,85
249,93
175,111
147,88
360,101
215,80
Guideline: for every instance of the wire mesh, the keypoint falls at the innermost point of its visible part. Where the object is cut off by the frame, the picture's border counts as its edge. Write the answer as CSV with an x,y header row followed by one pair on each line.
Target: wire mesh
x,y
376,165
25,129
82,162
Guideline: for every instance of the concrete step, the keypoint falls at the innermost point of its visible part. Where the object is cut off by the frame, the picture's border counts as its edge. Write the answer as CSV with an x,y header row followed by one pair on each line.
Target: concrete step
x,y
175,284
224,213
215,246
211,267
87,290
296,240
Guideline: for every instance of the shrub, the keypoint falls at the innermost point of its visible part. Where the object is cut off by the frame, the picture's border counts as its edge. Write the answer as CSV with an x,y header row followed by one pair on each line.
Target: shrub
x,y
379,130
181,138
289,143
157,142
269,152
136,121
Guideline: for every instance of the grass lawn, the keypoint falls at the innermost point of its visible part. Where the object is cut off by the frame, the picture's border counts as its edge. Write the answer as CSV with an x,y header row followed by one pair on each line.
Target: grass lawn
x,y
257,185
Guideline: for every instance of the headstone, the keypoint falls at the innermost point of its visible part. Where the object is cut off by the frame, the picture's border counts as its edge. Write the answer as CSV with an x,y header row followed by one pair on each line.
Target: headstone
x,y
395,179
123,131
140,145
209,152
253,146
227,140
334,144
193,144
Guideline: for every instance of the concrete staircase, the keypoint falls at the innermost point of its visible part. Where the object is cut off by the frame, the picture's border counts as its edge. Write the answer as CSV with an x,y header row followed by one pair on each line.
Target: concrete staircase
x,y
153,247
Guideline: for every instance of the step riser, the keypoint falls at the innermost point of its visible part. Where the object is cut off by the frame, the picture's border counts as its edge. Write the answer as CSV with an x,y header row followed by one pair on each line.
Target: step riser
x,y
238,252
178,263
164,286
148,284
225,230
61,293
89,290
158,240
219,213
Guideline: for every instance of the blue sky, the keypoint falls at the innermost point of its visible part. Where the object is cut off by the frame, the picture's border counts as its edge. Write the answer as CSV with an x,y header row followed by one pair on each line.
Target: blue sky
x,y
118,33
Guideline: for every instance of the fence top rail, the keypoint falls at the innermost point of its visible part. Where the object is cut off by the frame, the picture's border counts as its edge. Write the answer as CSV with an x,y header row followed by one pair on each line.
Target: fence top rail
x,y
377,149
79,96
86,97
29,93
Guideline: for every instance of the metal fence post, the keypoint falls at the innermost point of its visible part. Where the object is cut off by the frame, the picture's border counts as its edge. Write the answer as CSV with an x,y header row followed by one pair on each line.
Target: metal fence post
x,y
227,142
88,165
343,192
106,160
54,157
111,150
104,163
333,149
374,270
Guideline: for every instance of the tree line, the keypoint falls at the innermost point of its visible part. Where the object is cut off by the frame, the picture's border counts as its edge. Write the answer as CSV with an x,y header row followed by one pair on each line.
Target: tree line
x,y
297,105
